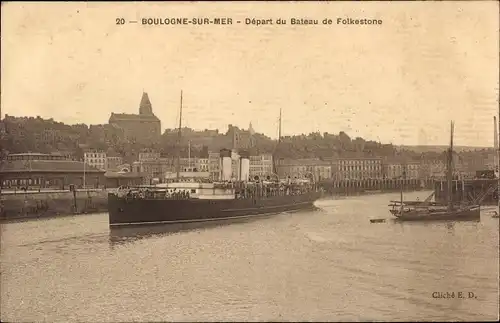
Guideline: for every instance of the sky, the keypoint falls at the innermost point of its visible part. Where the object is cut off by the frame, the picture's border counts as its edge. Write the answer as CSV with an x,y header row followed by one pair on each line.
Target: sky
x,y
401,82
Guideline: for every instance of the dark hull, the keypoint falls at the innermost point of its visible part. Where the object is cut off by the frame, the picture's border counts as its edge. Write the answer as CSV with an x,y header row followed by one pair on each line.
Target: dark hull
x,y
462,215
123,211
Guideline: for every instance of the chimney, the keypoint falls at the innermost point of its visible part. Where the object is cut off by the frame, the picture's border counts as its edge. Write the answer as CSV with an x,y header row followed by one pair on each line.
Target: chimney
x,y
225,156
244,165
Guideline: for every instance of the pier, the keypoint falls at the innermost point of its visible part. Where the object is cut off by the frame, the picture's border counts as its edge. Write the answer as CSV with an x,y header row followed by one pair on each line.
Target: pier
x,y
348,187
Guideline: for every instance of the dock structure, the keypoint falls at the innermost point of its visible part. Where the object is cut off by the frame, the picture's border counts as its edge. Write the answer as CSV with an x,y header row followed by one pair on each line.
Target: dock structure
x,y
483,191
347,187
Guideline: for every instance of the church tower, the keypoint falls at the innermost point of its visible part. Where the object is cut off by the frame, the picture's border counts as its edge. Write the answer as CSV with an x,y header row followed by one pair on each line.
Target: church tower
x,y
145,107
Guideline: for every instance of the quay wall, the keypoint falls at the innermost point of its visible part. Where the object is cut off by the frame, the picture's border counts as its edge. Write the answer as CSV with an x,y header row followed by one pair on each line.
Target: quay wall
x,y
51,203
347,187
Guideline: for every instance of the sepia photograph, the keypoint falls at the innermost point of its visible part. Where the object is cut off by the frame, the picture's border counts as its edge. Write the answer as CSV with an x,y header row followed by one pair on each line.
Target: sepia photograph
x,y
319,161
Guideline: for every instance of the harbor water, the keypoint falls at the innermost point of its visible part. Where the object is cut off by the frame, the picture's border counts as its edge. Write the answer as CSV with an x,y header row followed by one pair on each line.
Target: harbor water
x,y
330,264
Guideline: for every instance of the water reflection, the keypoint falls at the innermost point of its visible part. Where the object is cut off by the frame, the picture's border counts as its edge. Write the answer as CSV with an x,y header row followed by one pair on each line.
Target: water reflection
x,y
123,235
448,223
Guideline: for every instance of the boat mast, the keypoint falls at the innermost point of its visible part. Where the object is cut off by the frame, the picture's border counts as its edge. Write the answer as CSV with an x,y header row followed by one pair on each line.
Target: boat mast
x,y
450,171
275,171
179,141
279,129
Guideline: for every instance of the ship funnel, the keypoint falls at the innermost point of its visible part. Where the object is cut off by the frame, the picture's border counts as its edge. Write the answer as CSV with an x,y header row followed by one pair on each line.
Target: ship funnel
x,y
225,156
244,166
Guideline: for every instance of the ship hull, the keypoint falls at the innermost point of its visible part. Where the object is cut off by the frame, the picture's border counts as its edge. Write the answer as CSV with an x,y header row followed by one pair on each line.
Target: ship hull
x,y
461,215
127,211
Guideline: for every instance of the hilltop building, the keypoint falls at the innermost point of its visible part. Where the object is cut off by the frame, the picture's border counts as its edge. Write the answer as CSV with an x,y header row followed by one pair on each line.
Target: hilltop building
x,y
241,139
144,127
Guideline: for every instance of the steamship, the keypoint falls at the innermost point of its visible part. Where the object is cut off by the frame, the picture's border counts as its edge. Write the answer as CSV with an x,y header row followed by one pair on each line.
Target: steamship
x,y
188,198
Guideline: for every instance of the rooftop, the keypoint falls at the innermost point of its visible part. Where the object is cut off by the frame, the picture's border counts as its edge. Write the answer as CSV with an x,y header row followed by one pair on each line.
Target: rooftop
x,y
132,117
112,174
303,162
48,166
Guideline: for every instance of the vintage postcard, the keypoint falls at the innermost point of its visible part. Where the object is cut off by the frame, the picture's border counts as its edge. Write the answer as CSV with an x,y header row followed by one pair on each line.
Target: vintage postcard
x,y
249,161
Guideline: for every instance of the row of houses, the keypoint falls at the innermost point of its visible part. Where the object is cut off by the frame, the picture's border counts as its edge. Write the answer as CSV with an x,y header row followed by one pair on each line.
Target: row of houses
x,y
98,169
154,166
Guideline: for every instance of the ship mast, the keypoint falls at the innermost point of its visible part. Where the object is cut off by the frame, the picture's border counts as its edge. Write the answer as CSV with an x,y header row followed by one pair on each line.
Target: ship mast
x,y
275,171
279,129
179,141
450,171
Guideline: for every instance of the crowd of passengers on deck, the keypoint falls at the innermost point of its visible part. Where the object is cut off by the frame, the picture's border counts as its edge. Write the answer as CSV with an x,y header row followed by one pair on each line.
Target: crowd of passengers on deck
x,y
241,191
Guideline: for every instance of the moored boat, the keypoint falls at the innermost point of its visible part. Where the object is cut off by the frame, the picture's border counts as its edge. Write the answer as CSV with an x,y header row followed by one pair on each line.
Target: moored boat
x,y
431,211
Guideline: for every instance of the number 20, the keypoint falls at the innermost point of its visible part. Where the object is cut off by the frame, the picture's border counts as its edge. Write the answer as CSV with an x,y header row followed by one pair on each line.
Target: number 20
x,y
120,21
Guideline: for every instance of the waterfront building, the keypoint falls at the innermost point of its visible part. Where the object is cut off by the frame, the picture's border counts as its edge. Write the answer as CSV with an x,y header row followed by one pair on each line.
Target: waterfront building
x,y
412,170
357,168
214,167
261,166
114,162
153,168
144,127
437,169
149,156
97,159
404,169
202,164
35,170
393,170
304,168
122,178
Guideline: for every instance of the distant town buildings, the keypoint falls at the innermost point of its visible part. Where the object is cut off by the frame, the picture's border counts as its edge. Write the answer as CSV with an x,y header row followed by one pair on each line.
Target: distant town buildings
x,y
202,164
356,168
304,168
144,127
97,159
114,163
241,139
149,156
403,169
261,166
152,166
214,167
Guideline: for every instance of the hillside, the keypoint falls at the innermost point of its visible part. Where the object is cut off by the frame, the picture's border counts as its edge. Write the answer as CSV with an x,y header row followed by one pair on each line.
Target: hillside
x,y
41,135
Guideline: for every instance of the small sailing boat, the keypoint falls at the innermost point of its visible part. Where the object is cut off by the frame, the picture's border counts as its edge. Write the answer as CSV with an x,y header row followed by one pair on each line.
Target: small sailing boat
x,y
428,211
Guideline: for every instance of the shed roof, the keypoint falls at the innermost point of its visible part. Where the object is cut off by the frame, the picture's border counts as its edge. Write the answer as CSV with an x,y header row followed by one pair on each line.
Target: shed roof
x,y
112,174
48,166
